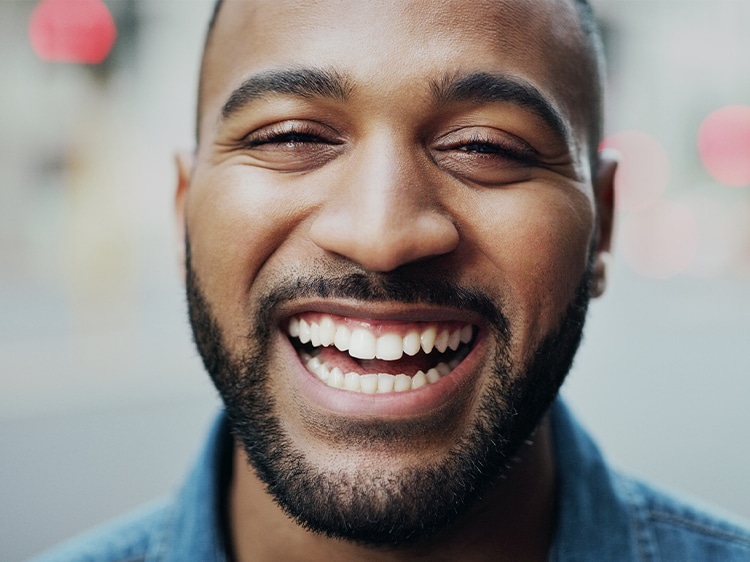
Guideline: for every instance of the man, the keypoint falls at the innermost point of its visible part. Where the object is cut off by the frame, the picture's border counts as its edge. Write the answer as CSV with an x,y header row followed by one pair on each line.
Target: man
x,y
394,220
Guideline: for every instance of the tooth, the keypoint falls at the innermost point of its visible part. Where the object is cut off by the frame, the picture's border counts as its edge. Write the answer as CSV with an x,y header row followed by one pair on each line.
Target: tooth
x,y
386,382
335,378
432,375
411,343
314,334
453,363
454,340
342,338
351,381
362,344
427,339
389,347
466,333
441,343
418,380
327,331
304,331
403,383
313,363
443,369
368,383
293,328
322,372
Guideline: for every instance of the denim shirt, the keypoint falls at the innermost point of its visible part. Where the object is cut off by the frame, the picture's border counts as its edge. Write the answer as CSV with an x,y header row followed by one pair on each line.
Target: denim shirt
x,y
602,515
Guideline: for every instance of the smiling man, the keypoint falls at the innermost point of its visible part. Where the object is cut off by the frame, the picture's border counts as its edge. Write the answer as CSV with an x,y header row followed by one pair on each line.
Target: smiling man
x,y
394,219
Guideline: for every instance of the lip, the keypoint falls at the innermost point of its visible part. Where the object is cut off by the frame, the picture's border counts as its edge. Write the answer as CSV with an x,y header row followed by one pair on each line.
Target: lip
x,y
385,312
457,386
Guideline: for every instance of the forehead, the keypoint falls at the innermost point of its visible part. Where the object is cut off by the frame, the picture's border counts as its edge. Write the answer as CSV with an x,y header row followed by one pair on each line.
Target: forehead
x,y
385,44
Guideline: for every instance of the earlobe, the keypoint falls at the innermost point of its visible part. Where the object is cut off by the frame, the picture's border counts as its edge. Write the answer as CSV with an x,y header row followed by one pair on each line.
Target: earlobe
x,y
184,164
600,270
604,189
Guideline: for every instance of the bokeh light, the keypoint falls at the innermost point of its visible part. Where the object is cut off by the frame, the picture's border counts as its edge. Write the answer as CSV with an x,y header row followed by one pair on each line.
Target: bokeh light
x,y
721,233
661,241
724,145
643,170
78,31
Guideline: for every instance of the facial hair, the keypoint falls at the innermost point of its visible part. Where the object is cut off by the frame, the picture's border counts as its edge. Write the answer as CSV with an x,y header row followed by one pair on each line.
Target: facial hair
x,y
383,507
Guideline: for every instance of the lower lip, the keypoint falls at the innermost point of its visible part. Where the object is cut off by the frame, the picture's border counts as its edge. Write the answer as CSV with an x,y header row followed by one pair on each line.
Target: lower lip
x,y
455,386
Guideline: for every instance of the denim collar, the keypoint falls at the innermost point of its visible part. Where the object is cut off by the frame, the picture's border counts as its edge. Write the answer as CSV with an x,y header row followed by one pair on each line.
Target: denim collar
x,y
593,521
197,530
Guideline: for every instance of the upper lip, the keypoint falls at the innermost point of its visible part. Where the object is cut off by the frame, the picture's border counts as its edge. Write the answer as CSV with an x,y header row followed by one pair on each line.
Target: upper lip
x,y
389,311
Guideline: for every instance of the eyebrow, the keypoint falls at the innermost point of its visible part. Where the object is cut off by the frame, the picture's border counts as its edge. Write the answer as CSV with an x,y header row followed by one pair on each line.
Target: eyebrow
x,y
303,82
483,87
477,87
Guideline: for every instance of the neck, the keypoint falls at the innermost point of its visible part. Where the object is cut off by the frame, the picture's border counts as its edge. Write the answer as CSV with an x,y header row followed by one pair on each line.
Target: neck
x,y
514,521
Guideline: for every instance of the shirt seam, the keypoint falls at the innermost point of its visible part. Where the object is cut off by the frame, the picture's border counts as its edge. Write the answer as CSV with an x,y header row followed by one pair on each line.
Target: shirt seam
x,y
646,542
702,528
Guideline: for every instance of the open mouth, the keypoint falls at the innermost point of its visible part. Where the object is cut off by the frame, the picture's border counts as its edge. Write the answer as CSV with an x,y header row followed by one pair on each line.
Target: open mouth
x,y
357,356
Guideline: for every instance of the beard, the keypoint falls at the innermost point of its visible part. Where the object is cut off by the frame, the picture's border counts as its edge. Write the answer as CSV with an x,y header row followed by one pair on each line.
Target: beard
x,y
383,506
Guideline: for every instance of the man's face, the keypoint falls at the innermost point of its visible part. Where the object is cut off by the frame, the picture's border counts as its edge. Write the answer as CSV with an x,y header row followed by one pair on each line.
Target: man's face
x,y
390,221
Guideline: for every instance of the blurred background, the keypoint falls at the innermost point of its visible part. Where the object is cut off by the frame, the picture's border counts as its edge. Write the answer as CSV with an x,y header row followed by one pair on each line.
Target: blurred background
x,y
103,400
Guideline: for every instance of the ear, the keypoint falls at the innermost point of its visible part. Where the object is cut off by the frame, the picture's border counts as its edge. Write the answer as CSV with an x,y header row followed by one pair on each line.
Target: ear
x,y
184,163
604,190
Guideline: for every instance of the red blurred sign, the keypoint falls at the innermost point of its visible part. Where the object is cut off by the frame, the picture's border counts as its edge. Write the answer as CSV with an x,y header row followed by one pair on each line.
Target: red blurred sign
x,y
724,144
78,31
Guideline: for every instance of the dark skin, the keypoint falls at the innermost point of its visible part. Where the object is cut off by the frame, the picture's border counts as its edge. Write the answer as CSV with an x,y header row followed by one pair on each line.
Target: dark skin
x,y
385,173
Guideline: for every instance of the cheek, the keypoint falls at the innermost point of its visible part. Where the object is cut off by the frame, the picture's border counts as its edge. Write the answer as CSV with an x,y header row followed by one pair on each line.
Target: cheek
x,y
535,244
235,223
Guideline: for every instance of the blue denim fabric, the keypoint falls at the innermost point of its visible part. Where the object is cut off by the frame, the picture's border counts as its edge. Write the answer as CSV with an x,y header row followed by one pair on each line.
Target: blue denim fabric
x,y
607,516
603,516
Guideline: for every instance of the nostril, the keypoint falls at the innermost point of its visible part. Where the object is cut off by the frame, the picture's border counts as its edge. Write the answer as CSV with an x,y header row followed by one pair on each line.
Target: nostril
x,y
384,235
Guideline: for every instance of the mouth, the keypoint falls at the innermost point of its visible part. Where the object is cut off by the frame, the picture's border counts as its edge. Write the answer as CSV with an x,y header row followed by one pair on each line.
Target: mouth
x,y
372,357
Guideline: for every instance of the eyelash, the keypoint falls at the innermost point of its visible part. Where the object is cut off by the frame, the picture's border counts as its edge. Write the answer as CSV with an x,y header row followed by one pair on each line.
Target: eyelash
x,y
498,149
298,134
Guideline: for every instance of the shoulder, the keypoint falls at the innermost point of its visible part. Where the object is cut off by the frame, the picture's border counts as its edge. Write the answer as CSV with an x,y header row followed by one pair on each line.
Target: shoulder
x,y
135,537
671,529
604,514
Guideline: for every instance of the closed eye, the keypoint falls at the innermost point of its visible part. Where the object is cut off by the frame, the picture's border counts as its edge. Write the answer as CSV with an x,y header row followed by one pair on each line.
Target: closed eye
x,y
290,136
485,156
290,139
513,151
291,146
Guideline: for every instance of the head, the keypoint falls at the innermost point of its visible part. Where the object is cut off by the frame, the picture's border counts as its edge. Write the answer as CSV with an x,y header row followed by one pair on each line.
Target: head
x,y
394,219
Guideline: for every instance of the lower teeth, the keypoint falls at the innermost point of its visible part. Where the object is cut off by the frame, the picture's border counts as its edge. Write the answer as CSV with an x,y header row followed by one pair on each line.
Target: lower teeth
x,y
376,383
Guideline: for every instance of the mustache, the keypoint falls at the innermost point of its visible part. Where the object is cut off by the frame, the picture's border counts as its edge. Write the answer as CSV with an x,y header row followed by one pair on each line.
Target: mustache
x,y
391,287
406,285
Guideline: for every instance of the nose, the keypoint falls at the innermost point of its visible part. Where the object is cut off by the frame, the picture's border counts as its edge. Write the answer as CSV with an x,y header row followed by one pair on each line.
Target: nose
x,y
383,211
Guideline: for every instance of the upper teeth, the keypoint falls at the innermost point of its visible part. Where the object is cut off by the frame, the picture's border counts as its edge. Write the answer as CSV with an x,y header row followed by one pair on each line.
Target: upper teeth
x,y
361,343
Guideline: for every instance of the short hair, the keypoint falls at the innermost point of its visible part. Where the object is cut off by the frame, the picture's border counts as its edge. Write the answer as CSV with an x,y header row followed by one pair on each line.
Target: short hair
x,y
212,21
594,46
206,42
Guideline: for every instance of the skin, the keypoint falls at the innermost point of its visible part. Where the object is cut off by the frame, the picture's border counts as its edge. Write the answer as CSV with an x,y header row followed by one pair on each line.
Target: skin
x,y
389,179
